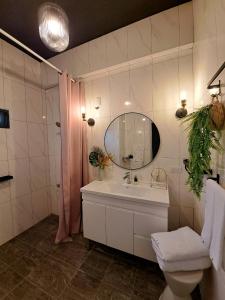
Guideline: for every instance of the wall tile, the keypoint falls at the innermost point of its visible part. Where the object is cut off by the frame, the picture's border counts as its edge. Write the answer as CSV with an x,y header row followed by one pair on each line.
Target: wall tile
x,y
6,223
17,140
36,139
165,30
14,94
116,47
38,172
3,145
13,62
40,204
186,216
139,39
32,71
97,53
165,85
20,185
34,105
169,133
80,60
119,93
22,213
141,88
186,23
4,187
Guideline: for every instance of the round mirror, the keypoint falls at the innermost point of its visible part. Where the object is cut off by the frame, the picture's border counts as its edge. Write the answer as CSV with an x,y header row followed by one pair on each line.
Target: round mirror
x,y
133,140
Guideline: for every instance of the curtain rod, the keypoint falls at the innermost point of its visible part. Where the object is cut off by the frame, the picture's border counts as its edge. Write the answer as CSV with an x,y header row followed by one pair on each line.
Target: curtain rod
x,y
31,51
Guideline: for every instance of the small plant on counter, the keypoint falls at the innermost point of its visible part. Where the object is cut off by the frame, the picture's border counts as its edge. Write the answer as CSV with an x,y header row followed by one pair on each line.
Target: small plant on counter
x,y
204,127
98,158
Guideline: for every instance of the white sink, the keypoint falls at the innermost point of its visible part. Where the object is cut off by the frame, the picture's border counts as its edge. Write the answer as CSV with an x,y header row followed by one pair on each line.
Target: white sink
x,y
140,192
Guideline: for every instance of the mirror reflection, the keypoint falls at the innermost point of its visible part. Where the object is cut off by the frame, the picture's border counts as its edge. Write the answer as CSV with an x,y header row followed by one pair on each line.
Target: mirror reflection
x,y
133,140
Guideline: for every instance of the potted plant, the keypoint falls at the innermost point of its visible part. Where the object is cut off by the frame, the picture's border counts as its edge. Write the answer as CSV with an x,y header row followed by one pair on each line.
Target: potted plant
x,y
99,159
204,132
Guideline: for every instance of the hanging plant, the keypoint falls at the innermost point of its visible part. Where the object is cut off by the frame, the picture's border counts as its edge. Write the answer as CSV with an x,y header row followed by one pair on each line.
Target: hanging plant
x,y
204,127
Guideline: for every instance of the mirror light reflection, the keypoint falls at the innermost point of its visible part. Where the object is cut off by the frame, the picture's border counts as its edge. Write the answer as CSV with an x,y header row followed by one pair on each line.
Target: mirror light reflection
x,y
133,140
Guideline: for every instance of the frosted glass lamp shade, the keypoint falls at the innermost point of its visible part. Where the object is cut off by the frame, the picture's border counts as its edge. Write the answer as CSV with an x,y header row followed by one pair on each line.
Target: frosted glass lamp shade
x,y
53,26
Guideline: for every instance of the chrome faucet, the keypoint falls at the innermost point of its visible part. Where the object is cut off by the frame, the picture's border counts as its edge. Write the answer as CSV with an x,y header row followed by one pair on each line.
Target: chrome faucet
x,y
127,176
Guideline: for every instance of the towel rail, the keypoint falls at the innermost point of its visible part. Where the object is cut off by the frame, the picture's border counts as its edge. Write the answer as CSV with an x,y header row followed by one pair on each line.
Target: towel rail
x,y
218,72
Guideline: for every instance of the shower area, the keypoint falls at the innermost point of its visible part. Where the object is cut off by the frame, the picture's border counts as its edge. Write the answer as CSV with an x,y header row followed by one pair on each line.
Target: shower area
x,y
30,149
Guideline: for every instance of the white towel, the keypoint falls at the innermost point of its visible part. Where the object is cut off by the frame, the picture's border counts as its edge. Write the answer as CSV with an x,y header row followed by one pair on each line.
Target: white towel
x,y
218,229
178,245
200,263
211,186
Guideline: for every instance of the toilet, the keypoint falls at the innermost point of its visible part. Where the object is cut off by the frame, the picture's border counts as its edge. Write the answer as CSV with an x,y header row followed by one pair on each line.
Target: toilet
x,y
180,285
183,254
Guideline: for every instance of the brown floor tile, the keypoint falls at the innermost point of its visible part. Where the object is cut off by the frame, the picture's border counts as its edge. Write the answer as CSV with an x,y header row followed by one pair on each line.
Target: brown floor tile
x,y
13,250
71,294
52,276
120,275
106,292
8,281
96,263
71,252
85,285
32,237
26,264
148,282
3,266
28,291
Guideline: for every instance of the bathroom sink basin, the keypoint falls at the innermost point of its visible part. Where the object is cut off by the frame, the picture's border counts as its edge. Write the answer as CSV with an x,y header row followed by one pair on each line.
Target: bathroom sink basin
x,y
140,192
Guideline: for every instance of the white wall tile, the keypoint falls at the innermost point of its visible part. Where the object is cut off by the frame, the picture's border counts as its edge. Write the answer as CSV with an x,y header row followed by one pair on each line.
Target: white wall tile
x,y
169,133
4,186
141,88
80,60
165,85
22,213
165,30
36,139
17,140
32,71
116,47
34,105
40,204
14,94
20,185
6,223
13,62
186,23
97,53
139,39
38,173
3,145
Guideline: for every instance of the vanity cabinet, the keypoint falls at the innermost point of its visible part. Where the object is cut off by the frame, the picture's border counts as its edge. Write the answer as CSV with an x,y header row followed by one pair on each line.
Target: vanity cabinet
x,y
124,222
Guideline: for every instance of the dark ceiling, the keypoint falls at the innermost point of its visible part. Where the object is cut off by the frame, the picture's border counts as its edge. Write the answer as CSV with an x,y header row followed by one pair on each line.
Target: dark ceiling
x,y
88,19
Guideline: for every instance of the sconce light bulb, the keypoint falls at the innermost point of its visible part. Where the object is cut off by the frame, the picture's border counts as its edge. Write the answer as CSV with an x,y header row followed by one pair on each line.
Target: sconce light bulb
x,y
127,103
82,109
183,95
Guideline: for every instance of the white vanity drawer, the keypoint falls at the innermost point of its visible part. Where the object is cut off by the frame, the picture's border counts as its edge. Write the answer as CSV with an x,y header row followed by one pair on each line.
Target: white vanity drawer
x,y
143,248
146,224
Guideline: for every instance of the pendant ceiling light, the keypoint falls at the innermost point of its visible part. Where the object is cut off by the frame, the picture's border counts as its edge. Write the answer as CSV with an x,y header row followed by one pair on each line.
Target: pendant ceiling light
x,y
53,26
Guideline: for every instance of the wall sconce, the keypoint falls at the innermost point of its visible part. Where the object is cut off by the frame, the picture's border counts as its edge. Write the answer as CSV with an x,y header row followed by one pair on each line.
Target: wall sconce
x,y
182,111
90,121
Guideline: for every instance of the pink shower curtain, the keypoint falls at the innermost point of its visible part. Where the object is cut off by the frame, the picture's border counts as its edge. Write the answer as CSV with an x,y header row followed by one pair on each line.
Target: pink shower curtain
x,y
74,165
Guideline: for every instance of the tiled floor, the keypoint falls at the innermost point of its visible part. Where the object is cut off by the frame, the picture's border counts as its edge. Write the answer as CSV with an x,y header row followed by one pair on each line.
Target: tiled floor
x,y
32,267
